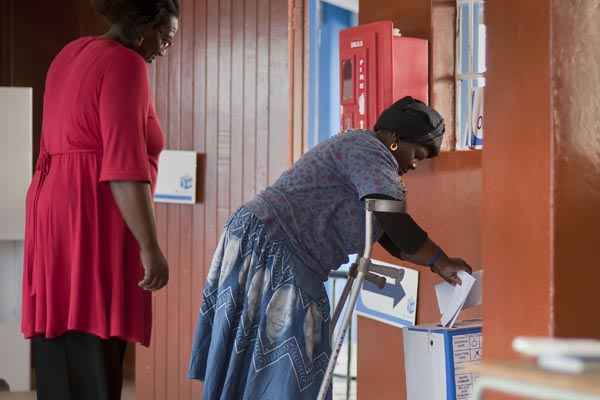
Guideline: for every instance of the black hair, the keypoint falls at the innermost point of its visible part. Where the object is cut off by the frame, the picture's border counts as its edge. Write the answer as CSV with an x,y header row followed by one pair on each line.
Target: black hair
x,y
133,14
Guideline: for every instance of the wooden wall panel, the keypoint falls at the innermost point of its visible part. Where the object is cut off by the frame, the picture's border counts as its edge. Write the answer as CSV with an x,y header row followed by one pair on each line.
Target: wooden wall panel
x,y
222,65
413,17
186,263
6,42
279,87
237,104
443,51
175,241
519,193
200,255
262,93
576,75
250,96
222,91
298,73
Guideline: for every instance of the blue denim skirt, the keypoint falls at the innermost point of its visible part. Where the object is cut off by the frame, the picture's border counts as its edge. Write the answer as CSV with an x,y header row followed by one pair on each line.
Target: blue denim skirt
x,y
263,327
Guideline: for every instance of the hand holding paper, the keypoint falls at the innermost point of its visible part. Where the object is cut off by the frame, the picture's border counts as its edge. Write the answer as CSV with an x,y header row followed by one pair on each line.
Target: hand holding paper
x,y
452,299
448,268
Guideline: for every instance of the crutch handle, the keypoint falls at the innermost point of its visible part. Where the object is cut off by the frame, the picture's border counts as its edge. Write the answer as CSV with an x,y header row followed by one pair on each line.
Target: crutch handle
x,y
387,206
375,279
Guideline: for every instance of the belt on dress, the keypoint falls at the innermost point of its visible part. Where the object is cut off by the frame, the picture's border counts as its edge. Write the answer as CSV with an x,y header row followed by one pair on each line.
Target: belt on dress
x,y
43,168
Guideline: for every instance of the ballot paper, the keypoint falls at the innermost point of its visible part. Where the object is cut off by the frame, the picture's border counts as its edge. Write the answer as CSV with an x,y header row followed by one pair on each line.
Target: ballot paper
x,y
452,299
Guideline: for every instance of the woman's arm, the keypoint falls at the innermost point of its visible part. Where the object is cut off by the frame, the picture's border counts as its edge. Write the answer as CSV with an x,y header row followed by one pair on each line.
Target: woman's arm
x,y
405,239
134,202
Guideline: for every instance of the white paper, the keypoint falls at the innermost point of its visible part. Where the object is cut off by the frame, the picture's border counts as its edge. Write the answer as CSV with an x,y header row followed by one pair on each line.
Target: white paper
x,y
443,292
476,294
452,299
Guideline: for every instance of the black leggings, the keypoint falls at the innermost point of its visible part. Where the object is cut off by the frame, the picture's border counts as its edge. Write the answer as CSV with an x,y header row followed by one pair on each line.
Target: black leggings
x,y
78,366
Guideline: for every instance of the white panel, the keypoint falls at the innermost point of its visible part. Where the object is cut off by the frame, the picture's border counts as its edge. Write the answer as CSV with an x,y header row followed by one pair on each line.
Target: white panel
x,y
482,67
431,353
425,365
15,159
15,350
11,267
15,174
15,367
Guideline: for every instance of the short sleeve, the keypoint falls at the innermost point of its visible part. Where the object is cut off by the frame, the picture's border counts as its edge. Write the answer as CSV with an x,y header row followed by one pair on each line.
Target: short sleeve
x,y
369,166
123,108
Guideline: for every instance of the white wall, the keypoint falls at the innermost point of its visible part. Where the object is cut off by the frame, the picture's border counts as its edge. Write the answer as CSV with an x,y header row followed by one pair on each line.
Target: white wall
x,y
11,267
14,349
15,174
15,159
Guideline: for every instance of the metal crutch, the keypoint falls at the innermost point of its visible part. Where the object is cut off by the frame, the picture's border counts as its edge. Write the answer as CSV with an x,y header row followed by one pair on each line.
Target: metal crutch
x,y
359,272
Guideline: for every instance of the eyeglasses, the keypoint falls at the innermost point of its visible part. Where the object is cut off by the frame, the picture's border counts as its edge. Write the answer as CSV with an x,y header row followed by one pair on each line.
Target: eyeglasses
x,y
165,42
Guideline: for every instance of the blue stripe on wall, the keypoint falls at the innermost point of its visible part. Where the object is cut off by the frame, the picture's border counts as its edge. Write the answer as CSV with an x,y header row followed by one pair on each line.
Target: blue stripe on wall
x,y
326,22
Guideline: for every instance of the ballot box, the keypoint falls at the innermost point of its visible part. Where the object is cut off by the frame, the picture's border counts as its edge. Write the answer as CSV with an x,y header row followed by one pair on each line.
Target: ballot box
x,y
436,360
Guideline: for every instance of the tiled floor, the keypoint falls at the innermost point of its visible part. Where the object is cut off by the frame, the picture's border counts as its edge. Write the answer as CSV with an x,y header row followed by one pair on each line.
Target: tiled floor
x,y
339,392
339,384
128,394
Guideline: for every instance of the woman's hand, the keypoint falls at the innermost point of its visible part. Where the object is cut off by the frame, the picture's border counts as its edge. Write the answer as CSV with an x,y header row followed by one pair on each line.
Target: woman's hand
x,y
448,268
134,200
156,269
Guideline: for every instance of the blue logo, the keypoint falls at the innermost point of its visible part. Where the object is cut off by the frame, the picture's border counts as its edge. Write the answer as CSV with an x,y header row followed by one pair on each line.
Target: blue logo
x,y
186,182
411,307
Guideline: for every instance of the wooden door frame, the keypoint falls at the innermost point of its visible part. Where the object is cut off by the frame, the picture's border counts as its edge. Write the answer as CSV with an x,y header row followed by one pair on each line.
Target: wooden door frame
x,y
298,32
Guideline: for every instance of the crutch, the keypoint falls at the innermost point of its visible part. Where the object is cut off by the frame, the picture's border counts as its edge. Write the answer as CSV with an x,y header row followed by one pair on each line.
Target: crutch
x,y
359,272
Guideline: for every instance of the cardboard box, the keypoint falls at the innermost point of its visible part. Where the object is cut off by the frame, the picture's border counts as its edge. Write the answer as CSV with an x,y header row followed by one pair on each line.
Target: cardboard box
x,y
435,359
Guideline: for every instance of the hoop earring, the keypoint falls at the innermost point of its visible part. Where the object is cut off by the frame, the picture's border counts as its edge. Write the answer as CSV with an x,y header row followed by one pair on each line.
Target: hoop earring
x,y
394,146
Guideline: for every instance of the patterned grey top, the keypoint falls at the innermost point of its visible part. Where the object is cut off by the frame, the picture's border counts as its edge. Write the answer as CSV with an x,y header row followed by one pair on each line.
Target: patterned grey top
x,y
317,204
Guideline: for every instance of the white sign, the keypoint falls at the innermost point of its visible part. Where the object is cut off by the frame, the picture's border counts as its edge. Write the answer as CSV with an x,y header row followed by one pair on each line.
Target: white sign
x,y
477,118
396,303
15,159
176,177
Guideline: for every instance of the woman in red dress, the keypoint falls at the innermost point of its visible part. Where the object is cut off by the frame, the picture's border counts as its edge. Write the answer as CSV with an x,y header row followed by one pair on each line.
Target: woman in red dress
x,y
91,252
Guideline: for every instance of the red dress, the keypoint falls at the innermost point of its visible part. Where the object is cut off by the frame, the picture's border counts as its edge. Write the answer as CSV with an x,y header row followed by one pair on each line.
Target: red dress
x,y
82,264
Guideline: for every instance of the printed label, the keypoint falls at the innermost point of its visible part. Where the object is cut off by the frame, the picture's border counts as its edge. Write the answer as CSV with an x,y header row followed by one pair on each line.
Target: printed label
x,y
467,351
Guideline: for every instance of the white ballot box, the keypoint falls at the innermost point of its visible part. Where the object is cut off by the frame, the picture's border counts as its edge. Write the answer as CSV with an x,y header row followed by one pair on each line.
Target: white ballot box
x,y
435,359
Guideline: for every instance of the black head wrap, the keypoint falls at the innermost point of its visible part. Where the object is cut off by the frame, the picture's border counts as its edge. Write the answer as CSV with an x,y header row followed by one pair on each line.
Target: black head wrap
x,y
415,122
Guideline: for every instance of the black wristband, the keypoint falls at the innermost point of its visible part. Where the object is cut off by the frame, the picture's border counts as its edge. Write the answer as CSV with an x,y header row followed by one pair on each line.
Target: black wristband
x,y
438,254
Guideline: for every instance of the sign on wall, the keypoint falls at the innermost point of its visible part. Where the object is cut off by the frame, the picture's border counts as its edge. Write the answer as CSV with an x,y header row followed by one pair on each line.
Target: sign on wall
x,y
396,303
177,177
